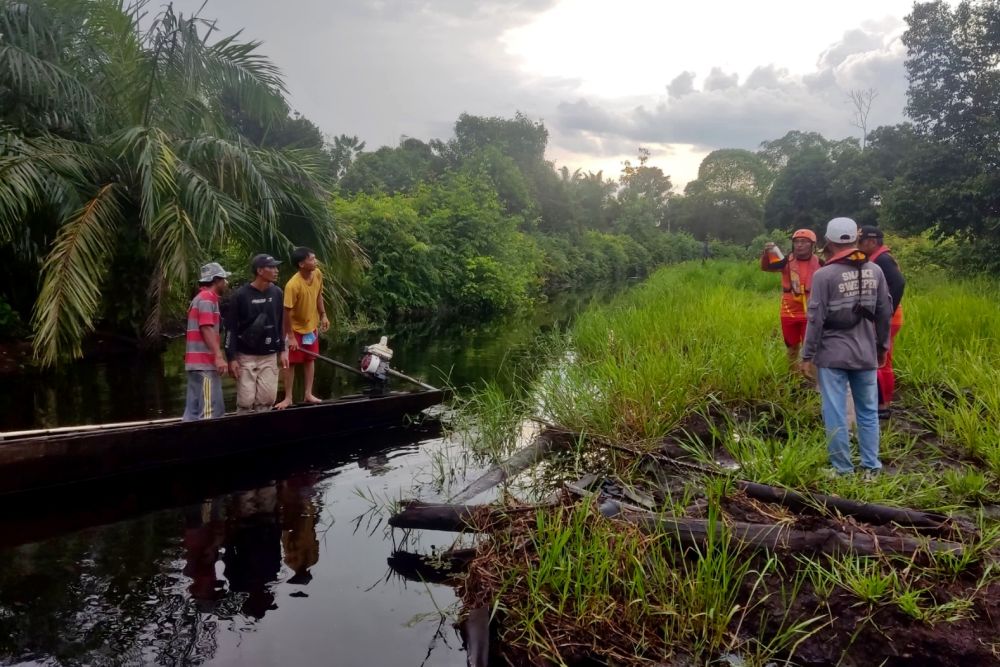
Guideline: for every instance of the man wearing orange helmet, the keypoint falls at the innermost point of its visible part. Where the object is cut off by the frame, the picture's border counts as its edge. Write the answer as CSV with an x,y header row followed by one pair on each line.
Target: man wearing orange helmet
x,y
796,283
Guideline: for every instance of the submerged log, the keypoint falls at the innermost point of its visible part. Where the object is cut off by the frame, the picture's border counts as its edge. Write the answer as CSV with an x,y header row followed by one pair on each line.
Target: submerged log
x,y
475,631
431,516
455,518
470,518
541,446
689,532
867,512
436,569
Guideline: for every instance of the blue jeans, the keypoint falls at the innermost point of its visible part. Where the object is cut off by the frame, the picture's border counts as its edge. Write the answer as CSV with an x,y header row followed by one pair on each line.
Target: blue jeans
x,y
833,388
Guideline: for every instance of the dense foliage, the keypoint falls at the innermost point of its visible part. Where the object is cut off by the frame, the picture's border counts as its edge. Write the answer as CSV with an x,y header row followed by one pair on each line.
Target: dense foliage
x,y
130,155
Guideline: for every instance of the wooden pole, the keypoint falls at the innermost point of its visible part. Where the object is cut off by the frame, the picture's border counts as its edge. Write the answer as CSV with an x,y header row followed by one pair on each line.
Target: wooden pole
x,y
348,367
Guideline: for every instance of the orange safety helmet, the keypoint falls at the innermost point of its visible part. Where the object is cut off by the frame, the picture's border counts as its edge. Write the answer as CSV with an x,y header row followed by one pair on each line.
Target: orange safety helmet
x,y
804,234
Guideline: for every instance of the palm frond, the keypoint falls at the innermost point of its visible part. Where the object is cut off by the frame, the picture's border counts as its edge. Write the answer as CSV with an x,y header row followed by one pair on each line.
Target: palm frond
x,y
232,167
71,284
45,84
177,248
29,170
216,215
147,152
255,80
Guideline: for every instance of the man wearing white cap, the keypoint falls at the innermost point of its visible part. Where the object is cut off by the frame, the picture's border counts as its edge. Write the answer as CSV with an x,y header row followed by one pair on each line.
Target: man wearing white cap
x,y
204,360
847,338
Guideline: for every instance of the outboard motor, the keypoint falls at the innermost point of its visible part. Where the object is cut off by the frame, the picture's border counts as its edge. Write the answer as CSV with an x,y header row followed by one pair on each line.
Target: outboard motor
x,y
375,366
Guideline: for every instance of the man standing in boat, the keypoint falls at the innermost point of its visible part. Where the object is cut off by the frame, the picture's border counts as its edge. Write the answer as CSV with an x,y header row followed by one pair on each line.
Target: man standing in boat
x,y
255,337
203,358
305,318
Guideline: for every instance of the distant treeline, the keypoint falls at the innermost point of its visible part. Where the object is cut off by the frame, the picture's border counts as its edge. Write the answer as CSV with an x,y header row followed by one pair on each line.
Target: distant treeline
x,y
131,153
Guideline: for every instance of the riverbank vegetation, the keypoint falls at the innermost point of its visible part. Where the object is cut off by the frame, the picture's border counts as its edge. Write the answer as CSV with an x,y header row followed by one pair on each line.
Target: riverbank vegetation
x,y
679,393
132,154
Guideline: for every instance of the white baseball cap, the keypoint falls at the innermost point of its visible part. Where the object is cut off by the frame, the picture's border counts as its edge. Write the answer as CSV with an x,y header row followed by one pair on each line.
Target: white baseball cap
x,y
842,230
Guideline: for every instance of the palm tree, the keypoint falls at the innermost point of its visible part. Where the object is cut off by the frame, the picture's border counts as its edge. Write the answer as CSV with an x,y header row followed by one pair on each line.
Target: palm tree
x,y
117,136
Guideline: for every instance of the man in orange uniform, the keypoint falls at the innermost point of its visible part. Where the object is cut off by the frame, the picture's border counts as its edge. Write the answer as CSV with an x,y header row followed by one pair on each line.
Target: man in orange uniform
x,y
870,242
796,283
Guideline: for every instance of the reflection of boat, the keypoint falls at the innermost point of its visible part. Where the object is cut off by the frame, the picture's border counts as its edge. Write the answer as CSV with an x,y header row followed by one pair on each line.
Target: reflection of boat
x,y
40,516
48,457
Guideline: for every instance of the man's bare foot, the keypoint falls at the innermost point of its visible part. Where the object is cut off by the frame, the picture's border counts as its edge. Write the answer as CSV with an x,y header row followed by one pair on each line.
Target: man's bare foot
x,y
283,404
309,398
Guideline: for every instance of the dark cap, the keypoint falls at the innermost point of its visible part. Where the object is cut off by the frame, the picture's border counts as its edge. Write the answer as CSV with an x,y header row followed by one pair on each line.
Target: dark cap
x,y
870,232
262,260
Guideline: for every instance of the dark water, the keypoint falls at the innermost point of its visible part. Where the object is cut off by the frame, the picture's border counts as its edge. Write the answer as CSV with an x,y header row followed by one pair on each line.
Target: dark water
x,y
277,560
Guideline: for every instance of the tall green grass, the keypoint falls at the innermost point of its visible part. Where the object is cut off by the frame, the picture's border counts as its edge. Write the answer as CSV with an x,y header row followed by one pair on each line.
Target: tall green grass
x,y
701,344
705,340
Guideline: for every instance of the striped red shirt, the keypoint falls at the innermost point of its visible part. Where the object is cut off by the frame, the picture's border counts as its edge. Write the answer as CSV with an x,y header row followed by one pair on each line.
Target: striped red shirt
x,y
203,311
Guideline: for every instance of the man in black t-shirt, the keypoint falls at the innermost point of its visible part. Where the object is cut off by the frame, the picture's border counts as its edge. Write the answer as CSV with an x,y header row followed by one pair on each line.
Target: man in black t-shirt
x,y
255,345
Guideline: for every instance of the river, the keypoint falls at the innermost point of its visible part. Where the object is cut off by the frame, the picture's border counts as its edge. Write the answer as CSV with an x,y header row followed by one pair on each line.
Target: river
x,y
277,560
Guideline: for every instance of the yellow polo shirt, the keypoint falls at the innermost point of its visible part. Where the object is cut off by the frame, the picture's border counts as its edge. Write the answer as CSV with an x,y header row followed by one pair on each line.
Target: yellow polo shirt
x,y
300,297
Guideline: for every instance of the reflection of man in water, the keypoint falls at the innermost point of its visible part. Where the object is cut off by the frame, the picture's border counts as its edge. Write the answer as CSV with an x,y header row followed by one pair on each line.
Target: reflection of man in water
x,y
298,526
253,551
203,535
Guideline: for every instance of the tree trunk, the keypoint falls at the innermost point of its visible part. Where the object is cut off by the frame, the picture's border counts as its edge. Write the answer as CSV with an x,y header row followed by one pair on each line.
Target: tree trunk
x,y
867,512
689,532
543,444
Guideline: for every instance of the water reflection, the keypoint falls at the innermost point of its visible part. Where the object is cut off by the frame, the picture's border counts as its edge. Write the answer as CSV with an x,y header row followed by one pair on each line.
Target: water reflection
x,y
251,533
252,562
173,585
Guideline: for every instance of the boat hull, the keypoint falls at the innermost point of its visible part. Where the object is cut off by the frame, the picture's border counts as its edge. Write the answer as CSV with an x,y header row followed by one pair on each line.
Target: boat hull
x,y
70,456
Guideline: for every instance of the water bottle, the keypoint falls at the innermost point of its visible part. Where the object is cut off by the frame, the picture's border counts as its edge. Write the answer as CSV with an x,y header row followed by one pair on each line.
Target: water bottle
x,y
775,254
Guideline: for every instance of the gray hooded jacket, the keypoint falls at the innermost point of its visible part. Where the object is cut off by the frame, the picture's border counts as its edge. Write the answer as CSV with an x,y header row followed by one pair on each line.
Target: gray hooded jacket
x,y
837,335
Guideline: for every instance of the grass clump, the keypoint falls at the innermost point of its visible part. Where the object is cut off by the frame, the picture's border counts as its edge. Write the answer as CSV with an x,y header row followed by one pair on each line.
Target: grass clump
x,y
691,365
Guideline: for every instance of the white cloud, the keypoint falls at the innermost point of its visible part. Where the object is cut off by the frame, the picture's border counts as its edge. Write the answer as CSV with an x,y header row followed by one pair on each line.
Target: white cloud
x,y
605,78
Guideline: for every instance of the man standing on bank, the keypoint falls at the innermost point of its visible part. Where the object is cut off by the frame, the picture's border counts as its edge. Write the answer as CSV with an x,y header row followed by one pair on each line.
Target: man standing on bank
x,y
255,337
305,319
870,242
847,339
203,358
796,282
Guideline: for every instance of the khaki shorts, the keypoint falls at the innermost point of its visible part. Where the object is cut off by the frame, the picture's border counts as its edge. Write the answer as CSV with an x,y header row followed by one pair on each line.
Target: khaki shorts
x,y
257,385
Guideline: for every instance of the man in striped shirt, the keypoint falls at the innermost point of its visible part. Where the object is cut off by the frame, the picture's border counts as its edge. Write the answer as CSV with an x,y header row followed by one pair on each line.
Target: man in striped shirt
x,y
204,359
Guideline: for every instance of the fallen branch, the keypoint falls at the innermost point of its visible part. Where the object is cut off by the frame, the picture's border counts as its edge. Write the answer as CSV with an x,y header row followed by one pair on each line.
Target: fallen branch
x,y
454,518
777,537
541,446
689,532
867,512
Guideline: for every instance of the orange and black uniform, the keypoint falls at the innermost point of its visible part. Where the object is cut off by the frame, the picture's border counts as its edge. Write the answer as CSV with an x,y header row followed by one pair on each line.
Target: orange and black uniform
x,y
897,284
796,284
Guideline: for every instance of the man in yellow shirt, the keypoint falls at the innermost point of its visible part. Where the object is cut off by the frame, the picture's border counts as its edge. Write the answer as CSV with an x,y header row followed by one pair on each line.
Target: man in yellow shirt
x,y
305,318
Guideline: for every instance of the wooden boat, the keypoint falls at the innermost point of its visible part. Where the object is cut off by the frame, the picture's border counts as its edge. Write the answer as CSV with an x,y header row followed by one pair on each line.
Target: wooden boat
x,y
32,460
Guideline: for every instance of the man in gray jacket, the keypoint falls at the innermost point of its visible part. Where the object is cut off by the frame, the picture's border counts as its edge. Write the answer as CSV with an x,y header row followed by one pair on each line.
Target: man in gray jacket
x,y
847,338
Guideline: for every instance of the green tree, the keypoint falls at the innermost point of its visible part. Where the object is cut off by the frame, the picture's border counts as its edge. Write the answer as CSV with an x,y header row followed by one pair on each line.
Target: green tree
x,y
800,196
952,64
391,170
731,216
343,152
643,196
132,163
732,170
777,153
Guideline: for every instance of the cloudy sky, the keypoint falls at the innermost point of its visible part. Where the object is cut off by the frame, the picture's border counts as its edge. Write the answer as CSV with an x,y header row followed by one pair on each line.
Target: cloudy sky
x,y
679,78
